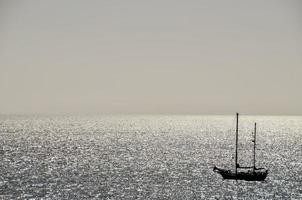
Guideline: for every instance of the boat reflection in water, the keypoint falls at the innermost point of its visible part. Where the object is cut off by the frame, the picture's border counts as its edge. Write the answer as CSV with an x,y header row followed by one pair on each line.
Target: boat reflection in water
x,y
243,173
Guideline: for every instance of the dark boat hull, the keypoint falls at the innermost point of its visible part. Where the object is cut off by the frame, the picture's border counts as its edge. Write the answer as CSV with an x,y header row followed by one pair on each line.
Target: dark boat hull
x,y
258,174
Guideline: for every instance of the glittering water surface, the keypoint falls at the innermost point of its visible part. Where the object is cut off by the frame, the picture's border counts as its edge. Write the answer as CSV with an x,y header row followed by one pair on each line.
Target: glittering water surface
x,y
145,157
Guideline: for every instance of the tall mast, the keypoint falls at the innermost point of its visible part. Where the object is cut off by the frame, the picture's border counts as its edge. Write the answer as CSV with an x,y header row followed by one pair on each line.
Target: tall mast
x,y
254,159
236,151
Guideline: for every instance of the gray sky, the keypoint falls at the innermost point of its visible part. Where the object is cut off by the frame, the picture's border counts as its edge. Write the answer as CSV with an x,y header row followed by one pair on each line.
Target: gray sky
x,y
159,56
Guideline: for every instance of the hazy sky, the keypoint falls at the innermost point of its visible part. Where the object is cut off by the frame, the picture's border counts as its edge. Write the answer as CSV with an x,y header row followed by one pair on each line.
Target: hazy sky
x,y
156,56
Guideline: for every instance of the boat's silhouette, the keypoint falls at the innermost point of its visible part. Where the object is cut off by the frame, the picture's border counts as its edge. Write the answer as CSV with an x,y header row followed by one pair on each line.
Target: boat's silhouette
x,y
251,174
243,173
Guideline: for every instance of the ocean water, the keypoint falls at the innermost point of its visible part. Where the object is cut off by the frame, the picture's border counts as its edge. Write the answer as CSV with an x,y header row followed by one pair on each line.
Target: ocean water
x,y
146,157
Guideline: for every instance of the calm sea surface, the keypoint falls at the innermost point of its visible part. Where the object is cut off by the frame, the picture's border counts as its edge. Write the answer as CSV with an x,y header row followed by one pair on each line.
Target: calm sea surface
x,y
145,157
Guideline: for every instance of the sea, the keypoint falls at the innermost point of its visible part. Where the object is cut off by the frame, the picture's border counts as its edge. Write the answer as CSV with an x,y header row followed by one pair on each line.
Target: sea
x,y
146,156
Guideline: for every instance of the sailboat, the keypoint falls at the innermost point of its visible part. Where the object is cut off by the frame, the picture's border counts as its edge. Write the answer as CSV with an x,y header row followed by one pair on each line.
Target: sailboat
x,y
243,173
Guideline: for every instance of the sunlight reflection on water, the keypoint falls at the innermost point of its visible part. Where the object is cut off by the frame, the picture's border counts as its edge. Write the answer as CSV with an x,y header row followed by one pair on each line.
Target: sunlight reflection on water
x,y
145,157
